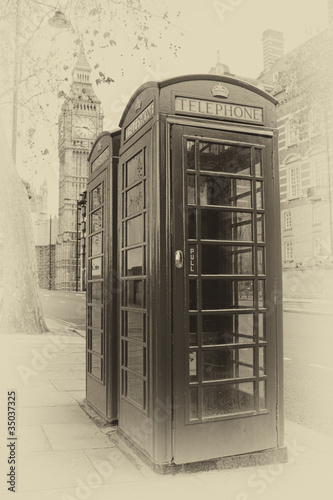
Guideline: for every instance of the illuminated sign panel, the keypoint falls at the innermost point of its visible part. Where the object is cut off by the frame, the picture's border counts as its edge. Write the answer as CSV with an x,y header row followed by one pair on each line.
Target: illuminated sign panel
x,y
216,109
139,121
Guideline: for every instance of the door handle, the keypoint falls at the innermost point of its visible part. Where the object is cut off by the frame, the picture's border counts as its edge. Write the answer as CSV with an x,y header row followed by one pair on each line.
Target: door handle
x,y
179,259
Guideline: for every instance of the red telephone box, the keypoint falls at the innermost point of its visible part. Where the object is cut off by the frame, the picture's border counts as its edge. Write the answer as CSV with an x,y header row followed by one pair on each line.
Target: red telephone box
x,y
200,354
102,285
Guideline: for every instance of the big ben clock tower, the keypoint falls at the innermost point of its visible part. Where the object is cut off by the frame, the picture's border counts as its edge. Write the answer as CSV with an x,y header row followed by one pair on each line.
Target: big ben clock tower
x,y
80,122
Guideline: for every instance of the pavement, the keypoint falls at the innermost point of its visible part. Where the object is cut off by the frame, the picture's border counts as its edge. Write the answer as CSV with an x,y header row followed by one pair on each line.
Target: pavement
x,y
63,453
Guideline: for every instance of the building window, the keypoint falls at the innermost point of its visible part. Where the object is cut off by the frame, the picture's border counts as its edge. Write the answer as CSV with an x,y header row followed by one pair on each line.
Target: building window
x,y
319,171
292,132
294,182
287,220
288,250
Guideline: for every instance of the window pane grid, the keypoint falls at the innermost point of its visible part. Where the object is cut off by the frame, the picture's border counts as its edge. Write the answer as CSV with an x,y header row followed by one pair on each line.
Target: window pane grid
x,y
134,281
254,253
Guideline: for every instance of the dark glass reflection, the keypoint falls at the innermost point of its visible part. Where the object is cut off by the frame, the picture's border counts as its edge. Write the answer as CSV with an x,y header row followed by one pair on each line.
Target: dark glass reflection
x,y
230,398
193,294
226,259
135,199
134,357
134,293
225,225
225,191
227,328
225,158
219,364
134,230
226,294
134,325
134,260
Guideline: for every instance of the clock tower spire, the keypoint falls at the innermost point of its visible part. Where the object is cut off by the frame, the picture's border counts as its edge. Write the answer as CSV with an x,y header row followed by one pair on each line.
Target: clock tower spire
x,y
80,122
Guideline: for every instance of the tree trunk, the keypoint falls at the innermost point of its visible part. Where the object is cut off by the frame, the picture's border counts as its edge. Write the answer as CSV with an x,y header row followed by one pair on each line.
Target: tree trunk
x,y
21,309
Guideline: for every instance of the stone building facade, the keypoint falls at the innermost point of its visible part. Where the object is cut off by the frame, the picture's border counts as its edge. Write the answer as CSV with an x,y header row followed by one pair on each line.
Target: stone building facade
x,y
80,122
301,81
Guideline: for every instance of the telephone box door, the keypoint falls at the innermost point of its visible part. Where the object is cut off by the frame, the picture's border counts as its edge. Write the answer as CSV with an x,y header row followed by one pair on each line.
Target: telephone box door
x,y
224,268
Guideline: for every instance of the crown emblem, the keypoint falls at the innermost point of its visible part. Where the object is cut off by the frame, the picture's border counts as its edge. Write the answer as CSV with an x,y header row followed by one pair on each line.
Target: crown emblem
x,y
99,146
220,91
138,104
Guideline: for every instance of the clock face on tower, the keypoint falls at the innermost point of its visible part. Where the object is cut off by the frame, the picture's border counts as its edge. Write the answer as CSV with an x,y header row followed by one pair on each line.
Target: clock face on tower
x,y
83,127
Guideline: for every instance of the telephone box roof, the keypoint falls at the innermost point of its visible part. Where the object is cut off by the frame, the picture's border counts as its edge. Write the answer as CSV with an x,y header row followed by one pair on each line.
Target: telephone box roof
x,y
184,78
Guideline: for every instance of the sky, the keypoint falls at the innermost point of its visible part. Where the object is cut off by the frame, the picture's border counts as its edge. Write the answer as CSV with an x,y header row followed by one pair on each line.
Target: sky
x,y
200,29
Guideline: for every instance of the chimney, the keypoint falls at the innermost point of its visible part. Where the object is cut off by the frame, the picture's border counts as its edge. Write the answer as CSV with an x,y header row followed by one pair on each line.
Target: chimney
x,y
273,47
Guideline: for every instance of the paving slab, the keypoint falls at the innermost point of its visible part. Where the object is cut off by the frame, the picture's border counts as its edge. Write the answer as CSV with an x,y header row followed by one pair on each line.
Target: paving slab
x,y
53,415
75,436
78,396
73,384
114,466
32,438
31,399
53,469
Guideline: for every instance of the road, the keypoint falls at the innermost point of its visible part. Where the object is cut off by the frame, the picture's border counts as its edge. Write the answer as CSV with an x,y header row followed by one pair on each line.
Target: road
x,y
308,358
65,306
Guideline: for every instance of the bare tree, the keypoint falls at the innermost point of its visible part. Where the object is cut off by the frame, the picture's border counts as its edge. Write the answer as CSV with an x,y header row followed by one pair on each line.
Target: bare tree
x,y
31,78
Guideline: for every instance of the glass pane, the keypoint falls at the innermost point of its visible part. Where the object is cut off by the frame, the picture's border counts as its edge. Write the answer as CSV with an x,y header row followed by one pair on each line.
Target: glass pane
x,y
193,403
193,366
227,328
135,358
96,244
134,230
259,194
96,197
219,364
134,327
261,260
96,221
220,259
95,295
260,228
262,395
225,158
96,341
262,361
191,191
261,293
96,267
96,365
225,191
95,317
229,398
226,294
193,330
134,293
134,262
190,155
135,389
135,200
258,163
193,294
135,169
224,225
261,326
